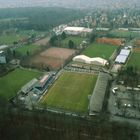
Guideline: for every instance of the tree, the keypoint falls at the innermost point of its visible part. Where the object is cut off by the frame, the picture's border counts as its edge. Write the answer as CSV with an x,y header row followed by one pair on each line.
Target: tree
x,y
53,40
14,53
93,37
63,35
71,44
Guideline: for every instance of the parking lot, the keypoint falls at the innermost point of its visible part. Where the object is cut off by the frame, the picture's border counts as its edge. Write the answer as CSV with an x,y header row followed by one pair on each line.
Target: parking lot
x,y
124,102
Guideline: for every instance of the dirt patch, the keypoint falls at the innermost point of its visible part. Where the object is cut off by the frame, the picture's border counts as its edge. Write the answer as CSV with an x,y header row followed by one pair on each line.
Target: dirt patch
x,y
54,58
111,41
42,42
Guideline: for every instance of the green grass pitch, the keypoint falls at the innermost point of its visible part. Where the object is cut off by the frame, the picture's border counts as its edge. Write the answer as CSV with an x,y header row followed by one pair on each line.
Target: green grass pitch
x,y
70,92
124,34
12,82
76,39
99,50
134,60
9,39
27,48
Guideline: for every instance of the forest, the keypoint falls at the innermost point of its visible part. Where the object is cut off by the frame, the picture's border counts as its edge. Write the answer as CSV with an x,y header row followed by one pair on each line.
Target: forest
x,y
37,18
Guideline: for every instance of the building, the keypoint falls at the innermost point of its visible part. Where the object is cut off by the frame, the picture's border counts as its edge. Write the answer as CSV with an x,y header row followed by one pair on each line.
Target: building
x,y
95,61
29,86
77,30
2,47
2,57
43,84
123,56
98,95
102,29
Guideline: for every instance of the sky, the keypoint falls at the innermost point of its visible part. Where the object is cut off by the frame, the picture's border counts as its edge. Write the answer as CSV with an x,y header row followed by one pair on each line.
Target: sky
x,y
67,3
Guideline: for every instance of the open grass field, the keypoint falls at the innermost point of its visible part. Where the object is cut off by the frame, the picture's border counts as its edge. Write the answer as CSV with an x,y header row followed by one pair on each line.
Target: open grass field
x,y
70,92
124,34
52,57
12,82
9,39
134,60
76,39
27,48
100,50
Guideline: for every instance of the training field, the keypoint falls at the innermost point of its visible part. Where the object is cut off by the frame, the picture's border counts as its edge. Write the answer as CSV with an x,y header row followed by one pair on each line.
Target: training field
x,y
70,92
10,39
134,60
27,48
100,50
52,57
111,41
12,82
123,34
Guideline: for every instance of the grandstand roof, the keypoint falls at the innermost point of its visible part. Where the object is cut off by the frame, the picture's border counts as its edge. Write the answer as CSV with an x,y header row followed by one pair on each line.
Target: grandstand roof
x,y
121,58
43,80
124,52
26,88
78,29
97,97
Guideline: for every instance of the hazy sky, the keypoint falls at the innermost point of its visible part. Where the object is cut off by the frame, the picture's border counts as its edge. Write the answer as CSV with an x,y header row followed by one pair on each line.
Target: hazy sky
x,y
63,3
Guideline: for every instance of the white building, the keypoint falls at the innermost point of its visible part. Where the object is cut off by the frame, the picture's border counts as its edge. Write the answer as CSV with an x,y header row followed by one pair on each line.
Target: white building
x,y
2,57
2,47
77,30
85,59
122,57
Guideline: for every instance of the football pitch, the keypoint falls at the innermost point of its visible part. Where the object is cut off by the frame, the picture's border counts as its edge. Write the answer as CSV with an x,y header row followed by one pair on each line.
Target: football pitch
x,y
27,48
100,50
12,82
134,60
70,92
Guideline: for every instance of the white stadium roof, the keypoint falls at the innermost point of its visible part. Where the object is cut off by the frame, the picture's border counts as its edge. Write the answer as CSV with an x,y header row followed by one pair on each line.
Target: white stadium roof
x,y
88,60
124,52
77,30
121,58
74,29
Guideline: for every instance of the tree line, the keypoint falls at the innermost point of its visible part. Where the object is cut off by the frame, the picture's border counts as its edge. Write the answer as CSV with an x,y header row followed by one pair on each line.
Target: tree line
x,y
37,18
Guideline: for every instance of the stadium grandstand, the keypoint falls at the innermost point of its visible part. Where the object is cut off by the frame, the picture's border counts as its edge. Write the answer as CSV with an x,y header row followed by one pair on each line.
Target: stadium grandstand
x,y
97,97
29,86
43,83
122,57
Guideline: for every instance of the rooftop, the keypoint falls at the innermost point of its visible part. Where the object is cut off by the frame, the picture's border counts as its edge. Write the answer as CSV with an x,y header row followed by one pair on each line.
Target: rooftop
x,y
97,97
26,88
124,52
